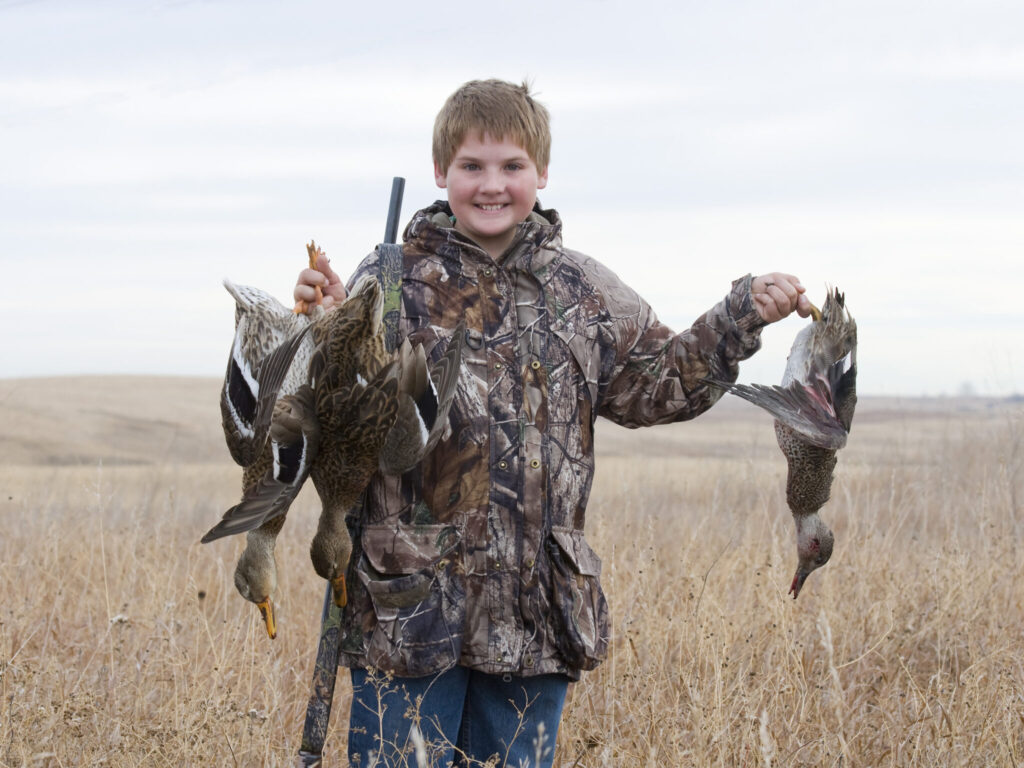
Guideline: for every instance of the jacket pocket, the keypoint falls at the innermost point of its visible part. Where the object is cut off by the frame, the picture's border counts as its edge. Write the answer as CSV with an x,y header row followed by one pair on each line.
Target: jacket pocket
x,y
579,611
418,602
585,352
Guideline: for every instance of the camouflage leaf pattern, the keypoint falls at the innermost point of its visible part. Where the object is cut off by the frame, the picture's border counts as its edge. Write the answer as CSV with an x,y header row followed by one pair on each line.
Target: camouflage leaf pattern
x,y
477,556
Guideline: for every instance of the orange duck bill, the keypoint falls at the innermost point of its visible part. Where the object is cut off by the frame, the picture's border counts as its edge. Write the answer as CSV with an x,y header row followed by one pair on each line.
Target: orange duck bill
x,y
339,591
267,612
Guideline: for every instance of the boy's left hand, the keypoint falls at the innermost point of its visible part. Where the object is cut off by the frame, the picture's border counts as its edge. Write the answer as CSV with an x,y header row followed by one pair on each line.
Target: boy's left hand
x,y
324,278
777,294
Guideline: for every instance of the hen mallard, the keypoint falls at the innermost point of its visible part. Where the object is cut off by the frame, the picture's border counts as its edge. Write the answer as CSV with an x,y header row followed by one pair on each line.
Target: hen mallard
x,y
813,411
362,409
254,380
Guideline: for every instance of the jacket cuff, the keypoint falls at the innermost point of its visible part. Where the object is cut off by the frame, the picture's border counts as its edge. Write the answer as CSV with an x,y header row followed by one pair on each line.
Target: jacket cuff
x,y
741,307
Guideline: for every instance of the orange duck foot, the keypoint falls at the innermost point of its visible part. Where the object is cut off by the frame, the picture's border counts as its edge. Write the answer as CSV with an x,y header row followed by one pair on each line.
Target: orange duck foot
x,y
302,307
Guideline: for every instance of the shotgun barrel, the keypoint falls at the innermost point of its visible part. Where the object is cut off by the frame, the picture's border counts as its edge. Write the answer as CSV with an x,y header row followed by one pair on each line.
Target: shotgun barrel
x,y
394,210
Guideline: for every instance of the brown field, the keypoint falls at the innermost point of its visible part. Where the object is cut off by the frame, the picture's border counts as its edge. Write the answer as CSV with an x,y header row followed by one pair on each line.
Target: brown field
x,y
124,643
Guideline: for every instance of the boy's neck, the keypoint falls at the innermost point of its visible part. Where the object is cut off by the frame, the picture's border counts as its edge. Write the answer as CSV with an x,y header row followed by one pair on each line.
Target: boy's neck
x,y
496,248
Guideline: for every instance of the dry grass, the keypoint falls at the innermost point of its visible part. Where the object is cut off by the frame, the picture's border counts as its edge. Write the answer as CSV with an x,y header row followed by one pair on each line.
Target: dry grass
x,y
123,642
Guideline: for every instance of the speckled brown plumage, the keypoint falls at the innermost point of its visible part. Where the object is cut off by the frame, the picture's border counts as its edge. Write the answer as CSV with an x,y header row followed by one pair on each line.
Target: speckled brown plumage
x,y
809,480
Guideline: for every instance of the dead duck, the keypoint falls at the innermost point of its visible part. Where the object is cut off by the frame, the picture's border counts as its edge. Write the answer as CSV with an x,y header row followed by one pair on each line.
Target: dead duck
x,y
254,381
361,409
262,368
813,411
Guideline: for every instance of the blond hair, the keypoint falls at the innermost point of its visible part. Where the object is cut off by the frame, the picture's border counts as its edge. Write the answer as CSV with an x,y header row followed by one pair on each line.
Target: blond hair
x,y
498,108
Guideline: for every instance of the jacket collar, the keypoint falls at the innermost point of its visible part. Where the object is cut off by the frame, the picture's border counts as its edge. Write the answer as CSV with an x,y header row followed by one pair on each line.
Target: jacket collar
x,y
434,230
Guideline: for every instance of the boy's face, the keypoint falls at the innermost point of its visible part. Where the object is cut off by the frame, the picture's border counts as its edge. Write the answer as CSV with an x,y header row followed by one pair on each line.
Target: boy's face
x,y
492,186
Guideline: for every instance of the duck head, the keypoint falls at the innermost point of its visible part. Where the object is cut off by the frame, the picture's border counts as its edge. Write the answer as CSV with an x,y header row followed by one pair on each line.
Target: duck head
x,y
330,552
256,577
814,541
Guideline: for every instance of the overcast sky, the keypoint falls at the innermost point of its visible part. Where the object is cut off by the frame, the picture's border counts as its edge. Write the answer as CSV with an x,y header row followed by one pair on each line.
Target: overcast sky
x,y
149,149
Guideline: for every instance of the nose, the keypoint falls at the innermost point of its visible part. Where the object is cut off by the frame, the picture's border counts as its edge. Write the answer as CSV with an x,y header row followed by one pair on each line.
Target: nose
x,y
492,181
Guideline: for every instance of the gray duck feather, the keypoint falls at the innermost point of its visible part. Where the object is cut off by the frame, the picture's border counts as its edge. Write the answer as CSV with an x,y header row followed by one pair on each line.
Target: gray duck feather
x,y
269,357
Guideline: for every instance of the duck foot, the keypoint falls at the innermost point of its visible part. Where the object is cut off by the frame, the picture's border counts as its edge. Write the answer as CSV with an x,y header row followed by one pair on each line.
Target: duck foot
x,y
302,307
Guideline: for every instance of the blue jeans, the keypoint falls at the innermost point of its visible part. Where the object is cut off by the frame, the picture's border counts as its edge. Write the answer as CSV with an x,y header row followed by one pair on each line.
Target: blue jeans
x,y
463,715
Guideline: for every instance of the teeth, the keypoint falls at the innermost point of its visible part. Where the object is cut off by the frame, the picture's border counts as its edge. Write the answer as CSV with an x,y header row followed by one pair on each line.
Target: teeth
x,y
497,207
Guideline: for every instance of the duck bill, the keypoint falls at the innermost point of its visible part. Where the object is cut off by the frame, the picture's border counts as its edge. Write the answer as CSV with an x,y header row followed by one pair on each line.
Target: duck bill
x,y
267,612
798,582
339,591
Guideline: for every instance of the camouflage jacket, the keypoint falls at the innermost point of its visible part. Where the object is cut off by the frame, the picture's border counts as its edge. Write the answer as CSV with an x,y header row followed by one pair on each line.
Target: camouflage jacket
x,y
477,556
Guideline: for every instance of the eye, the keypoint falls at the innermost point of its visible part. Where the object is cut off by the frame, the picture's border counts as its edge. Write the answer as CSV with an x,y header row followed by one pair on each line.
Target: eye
x,y
470,167
514,167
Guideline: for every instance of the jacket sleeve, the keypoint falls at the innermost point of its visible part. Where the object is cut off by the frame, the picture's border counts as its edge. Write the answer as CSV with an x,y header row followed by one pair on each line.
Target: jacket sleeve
x,y
657,374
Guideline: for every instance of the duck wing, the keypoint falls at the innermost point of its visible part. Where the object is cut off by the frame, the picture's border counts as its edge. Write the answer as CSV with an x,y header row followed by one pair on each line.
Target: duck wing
x,y
359,419
801,407
818,393
424,400
295,441
265,350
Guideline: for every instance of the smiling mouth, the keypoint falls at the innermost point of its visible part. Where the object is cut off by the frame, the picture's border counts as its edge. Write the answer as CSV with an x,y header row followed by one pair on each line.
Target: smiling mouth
x,y
493,207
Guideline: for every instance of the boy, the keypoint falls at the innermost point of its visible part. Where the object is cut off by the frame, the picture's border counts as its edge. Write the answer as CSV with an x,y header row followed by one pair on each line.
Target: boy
x,y
471,583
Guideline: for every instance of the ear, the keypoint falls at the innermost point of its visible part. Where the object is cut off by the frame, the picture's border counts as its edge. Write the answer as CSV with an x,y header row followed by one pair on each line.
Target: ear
x,y
441,179
542,179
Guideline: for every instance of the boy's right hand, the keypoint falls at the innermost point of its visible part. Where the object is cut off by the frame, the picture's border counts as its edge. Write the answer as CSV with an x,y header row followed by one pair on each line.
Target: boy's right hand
x,y
323,277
